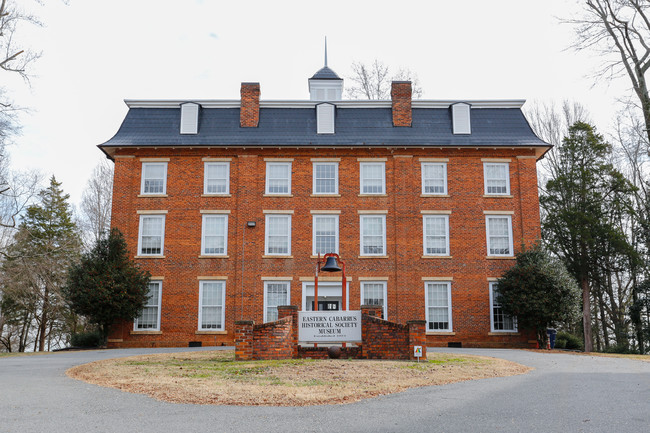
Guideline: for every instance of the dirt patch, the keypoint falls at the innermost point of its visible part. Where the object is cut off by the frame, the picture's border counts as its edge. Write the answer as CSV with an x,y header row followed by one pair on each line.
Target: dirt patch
x,y
216,378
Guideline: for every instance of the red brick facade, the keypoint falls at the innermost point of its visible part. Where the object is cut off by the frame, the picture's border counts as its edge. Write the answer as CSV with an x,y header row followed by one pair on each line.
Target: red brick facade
x,y
244,269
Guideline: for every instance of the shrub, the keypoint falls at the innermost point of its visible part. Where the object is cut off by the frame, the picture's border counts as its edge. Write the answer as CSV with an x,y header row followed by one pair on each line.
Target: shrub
x,y
619,348
570,341
560,343
86,339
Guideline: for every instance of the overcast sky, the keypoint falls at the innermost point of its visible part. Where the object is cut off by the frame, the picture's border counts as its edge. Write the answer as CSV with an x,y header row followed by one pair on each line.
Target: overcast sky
x,y
96,53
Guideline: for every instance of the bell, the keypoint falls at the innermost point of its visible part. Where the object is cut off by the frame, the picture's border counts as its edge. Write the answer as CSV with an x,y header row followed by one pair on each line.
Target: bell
x,y
331,265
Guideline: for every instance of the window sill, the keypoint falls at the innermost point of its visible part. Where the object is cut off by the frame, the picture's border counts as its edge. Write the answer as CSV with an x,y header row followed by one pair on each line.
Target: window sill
x,y
373,257
146,332
216,195
437,257
325,195
500,257
278,195
315,256
152,195
493,333
274,256
149,257
211,332
114,340
373,195
213,257
497,196
435,195
441,333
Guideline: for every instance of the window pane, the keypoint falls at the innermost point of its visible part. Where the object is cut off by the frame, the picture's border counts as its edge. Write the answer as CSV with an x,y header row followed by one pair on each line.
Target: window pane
x,y
434,178
151,235
154,178
373,294
325,178
277,234
217,178
372,178
496,178
438,306
435,230
499,235
325,234
214,234
278,178
276,295
372,229
501,321
212,305
148,318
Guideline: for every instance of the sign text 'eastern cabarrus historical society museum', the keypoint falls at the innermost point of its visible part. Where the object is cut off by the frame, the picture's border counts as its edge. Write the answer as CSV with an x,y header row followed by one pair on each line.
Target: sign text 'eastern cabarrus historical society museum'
x,y
329,326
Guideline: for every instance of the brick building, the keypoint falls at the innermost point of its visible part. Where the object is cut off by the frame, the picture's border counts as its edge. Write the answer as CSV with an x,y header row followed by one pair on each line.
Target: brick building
x,y
228,202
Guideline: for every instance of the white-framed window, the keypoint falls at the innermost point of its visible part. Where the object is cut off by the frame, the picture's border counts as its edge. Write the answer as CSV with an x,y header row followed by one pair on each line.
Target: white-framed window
x,y
325,234
436,235
499,322
278,178
497,178
326,178
374,293
212,299
214,235
276,293
278,235
434,178
151,237
325,118
154,178
373,235
149,318
499,235
373,177
216,178
438,302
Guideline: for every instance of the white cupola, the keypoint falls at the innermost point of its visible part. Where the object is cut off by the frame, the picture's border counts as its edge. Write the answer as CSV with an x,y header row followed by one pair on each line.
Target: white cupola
x,y
325,85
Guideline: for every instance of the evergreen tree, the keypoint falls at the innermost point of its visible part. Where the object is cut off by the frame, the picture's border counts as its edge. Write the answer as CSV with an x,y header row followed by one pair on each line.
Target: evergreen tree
x,y
106,285
46,243
583,190
539,291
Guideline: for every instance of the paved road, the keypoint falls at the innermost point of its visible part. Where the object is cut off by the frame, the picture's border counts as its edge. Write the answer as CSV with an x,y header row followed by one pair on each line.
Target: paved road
x,y
565,393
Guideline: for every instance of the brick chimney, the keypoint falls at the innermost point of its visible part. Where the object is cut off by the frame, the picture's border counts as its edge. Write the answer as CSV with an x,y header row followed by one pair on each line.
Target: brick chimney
x,y
400,93
249,113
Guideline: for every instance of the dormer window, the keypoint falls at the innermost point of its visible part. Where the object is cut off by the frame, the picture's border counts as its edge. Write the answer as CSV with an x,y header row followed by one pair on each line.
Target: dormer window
x,y
460,113
325,118
189,118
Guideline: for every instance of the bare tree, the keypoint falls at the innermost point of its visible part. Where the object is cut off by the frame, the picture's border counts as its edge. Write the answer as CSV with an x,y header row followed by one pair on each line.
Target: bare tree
x,y
619,30
373,81
96,202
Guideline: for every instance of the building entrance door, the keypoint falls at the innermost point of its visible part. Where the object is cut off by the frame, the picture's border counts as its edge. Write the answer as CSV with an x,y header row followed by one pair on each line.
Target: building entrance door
x,y
326,305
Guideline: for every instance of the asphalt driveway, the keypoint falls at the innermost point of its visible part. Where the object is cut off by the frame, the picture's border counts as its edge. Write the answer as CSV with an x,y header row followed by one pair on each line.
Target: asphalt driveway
x,y
565,393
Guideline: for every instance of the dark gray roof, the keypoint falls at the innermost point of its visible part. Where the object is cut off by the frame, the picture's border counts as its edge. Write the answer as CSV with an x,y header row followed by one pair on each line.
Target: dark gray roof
x,y
503,127
325,73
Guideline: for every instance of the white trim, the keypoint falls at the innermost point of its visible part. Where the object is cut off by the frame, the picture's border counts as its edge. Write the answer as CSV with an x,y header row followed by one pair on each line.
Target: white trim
x,y
162,235
372,212
204,219
223,305
151,212
274,103
487,235
325,286
159,307
336,232
325,118
336,178
491,285
275,281
266,235
383,252
189,118
450,328
278,163
215,211
461,114
206,164
384,293
424,235
164,178
444,177
277,211
507,179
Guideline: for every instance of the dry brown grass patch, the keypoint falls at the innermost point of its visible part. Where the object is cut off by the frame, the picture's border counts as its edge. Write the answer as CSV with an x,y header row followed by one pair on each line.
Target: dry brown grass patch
x,y
216,378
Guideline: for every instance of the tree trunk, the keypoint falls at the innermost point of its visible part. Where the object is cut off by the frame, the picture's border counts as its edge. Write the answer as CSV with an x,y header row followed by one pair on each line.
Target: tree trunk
x,y
603,320
44,318
586,314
